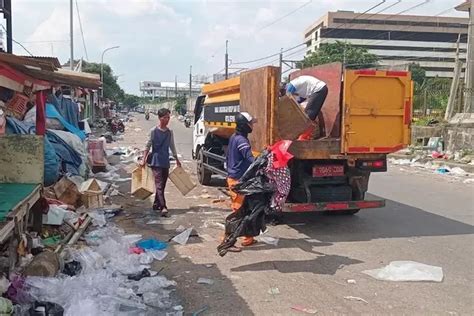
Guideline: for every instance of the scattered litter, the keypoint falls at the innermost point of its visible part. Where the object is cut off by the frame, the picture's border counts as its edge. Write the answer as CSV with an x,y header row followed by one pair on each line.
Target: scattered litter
x,y
137,129
152,244
351,281
158,254
268,240
458,171
355,298
135,250
182,238
72,268
178,308
98,218
442,170
131,239
304,309
274,291
46,308
146,258
162,221
407,271
209,265
205,281
6,306
180,229
468,181
201,310
205,196
145,273
153,222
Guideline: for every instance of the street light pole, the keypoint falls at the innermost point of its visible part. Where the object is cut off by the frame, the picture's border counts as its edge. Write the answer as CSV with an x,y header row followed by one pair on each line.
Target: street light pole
x,y
102,68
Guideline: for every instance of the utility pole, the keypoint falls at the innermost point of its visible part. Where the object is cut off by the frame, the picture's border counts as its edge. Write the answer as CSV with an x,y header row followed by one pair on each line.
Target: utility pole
x,y
190,80
71,31
7,13
469,99
175,86
226,60
454,84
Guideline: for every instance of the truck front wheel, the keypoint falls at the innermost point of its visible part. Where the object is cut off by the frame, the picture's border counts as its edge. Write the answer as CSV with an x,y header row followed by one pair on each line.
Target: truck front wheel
x,y
204,175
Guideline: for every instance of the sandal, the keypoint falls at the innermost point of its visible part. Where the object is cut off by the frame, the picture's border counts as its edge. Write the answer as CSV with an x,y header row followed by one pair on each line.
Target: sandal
x,y
164,213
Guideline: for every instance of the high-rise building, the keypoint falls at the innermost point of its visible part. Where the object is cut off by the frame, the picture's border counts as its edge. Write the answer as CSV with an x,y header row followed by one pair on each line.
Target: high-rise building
x,y
398,40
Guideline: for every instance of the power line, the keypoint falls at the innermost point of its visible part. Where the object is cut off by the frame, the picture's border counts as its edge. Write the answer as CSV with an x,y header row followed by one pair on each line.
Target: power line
x,y
82,33
18,43
269,56
285,16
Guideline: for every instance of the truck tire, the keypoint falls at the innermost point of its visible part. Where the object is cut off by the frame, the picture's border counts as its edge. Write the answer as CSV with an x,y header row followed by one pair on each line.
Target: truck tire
x,y
204,175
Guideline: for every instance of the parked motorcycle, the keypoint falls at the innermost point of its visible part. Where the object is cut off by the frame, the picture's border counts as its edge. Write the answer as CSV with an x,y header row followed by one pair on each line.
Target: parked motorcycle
x,y
115,125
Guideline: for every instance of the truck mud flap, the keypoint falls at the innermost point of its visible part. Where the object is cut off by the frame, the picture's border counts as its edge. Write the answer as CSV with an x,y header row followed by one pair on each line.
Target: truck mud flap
x,y
332,206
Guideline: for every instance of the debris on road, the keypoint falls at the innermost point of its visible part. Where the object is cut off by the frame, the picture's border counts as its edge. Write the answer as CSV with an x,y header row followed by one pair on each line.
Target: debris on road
x,y
351,281
268,240
401,271
274,291
355,298
205,281
182,238
304,309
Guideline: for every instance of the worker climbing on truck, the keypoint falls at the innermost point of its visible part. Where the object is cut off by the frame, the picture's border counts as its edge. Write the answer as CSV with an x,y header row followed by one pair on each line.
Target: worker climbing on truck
x,y
312,90
238,160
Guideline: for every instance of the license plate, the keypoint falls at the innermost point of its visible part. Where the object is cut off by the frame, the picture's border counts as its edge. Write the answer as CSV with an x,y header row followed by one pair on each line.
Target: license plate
x,y
328,171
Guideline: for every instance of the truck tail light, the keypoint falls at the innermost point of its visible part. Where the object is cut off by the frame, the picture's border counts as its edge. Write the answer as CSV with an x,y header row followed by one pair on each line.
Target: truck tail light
x,y
372,165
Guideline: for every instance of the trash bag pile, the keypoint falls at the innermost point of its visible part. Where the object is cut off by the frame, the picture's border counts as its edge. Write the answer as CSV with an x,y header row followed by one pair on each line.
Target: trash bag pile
x,y
265,185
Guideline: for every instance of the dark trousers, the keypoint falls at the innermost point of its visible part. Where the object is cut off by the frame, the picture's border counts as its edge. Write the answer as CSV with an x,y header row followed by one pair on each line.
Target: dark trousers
x,y
161,176
315,103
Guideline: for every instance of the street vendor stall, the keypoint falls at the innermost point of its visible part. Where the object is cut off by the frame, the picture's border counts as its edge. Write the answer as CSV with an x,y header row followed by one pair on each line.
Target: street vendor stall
x,y
23,82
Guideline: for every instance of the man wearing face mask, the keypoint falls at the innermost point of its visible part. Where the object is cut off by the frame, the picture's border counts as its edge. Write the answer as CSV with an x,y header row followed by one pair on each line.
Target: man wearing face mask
x,y
239,158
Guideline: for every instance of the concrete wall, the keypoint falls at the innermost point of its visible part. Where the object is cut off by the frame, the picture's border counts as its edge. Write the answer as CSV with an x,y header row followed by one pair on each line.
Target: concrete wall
x,y
458,138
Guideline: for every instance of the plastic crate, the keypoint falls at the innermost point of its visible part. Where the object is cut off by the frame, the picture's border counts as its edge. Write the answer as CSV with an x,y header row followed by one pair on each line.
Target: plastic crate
x,y
18,105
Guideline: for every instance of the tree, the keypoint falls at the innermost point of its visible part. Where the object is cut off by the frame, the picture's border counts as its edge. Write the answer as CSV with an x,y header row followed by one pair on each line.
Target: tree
x,y
352,56
131,100
180,105
418,74
111,88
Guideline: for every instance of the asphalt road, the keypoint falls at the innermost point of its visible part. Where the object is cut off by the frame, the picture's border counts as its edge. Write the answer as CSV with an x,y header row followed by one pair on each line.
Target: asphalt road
x,y
428,218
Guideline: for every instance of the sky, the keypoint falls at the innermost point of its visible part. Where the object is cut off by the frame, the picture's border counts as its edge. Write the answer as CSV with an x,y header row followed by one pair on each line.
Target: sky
x,y
160,39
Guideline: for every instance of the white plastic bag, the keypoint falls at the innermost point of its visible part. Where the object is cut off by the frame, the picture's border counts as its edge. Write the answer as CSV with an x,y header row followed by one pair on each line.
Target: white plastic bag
x,y
182,238
407,271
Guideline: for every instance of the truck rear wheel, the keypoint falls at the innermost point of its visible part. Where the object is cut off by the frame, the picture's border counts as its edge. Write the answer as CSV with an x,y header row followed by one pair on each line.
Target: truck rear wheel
x,y
204,175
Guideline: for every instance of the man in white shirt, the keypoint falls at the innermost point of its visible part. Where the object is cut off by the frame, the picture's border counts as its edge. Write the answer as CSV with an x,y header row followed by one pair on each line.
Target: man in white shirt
x,y
311,89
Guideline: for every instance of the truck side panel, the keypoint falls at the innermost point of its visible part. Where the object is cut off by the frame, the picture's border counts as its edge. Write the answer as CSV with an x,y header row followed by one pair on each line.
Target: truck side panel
x,y
377,111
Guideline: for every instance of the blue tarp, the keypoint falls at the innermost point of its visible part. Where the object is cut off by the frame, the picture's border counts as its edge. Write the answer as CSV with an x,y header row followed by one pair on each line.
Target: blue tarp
x,y
67,107
52,112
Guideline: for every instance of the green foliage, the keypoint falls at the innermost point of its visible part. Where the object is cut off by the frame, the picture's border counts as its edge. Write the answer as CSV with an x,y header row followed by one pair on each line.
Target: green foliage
x,y
353,57
180,105
418,74
131,100
111,88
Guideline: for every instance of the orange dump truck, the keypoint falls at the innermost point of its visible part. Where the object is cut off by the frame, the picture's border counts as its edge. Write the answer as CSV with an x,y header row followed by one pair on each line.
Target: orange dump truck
x,y
366,116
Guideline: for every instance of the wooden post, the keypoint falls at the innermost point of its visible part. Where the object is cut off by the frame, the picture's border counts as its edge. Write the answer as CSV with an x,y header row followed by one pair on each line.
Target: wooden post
x,y
40,113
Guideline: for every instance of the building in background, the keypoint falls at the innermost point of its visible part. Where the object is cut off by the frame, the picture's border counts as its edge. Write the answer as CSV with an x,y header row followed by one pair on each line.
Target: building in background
x,y
398,40
164,89
2,46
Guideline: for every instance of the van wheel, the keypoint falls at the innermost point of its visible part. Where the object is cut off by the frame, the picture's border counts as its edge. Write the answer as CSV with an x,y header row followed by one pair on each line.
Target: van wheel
x,y
204,175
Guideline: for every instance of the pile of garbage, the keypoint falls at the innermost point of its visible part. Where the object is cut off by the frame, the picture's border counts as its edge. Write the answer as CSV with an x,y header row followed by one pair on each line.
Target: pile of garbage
x,y
109,273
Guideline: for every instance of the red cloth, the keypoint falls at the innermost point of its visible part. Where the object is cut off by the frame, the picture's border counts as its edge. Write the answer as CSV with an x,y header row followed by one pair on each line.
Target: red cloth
x,y
281,154
40,113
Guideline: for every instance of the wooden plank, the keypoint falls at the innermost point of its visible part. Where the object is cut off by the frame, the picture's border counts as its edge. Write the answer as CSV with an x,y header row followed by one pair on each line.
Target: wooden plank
x,y
291,120
221,86
256,98
21,159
